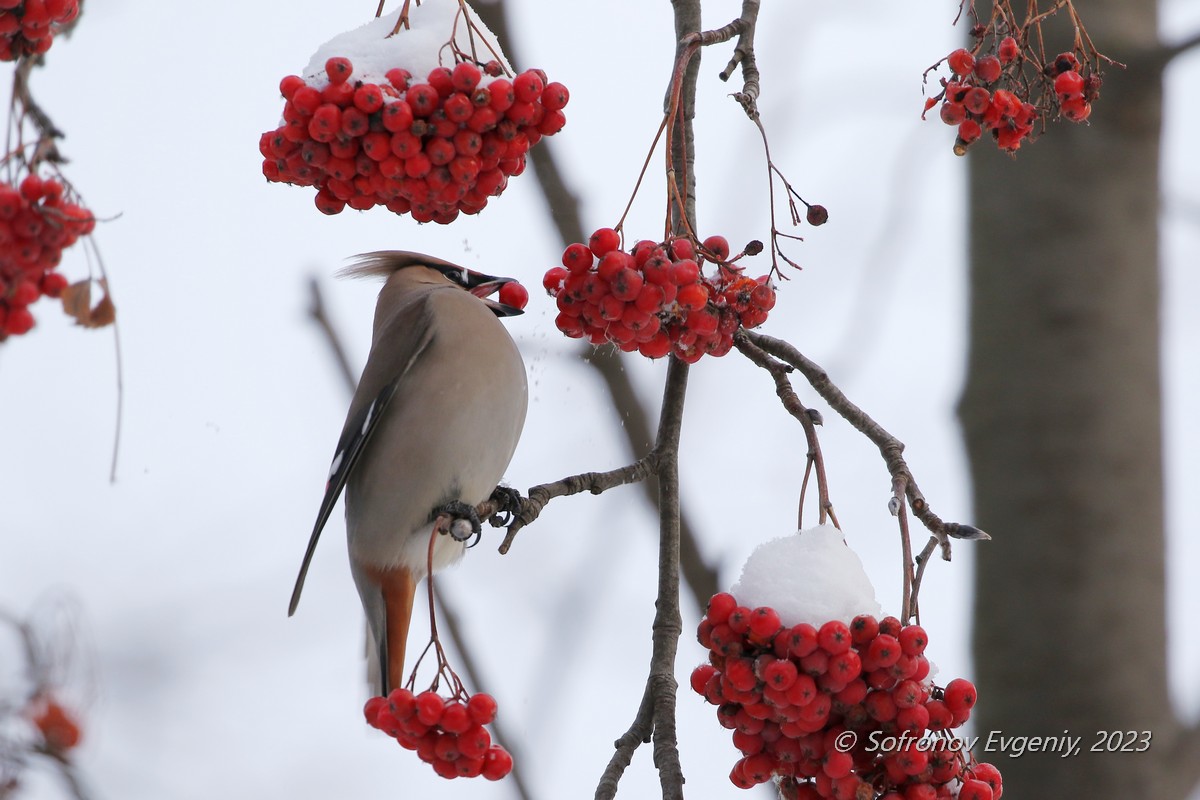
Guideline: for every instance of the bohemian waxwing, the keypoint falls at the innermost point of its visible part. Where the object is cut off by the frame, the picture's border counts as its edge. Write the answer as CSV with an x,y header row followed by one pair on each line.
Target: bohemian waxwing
x,y
430,431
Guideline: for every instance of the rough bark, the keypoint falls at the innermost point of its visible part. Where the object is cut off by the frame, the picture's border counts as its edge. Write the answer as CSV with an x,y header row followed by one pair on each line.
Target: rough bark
x,y
1062,416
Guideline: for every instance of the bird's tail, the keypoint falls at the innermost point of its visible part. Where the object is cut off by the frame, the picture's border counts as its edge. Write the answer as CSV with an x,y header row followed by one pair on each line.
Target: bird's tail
x,y
387,595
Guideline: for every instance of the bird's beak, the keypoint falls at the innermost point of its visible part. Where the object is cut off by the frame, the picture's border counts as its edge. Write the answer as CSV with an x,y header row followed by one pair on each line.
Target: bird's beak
x,y
482,286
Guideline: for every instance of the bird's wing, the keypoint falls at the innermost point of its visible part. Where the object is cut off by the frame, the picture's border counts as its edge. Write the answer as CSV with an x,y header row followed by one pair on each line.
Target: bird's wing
x,y
359,427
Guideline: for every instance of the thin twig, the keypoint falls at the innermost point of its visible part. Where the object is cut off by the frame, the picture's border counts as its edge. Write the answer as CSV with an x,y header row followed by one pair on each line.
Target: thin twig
x,y
791,402
743,54
889,446
48,132
921,560
637,735
594,482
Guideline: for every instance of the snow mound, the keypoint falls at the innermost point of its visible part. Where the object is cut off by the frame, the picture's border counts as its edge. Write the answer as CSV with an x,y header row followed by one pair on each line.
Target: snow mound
x,y
419,48
812,576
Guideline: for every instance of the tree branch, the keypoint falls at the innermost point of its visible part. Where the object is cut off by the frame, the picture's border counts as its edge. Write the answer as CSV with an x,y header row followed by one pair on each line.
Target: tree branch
x,y
563,206
1170,51
890,448
668,623
638,734
1182,763
743,54
594,482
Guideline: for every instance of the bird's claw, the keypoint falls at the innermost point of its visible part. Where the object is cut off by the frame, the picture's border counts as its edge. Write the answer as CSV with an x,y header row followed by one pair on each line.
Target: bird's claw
x,y
459,513
508,503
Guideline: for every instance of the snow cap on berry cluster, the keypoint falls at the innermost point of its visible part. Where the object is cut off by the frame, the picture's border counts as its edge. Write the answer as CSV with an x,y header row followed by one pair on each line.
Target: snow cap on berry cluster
x,y
417,48
811,577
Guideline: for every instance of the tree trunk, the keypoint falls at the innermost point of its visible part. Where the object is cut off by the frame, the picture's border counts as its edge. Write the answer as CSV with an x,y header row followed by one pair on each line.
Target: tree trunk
x,y
1062,417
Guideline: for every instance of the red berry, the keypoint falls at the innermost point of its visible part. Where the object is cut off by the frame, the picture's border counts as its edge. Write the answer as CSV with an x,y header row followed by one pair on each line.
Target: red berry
x,y
514,294
398,78
952,113
368,98
913,640
19,321
465,77
973,789
52,284
603,240
1064,62
764,624
837,764
718,246
969,131
720,607
890,625
338,69
528,87
685,272
455,718
555,96
961,62
940,717
884,651
1068,84
701,676
977,100
780,674
553,280
627,285
834,637
845,666
991,776
692,297
429,707
658,346
1007,50
988,69
372,708
960,698
914,719
24,293
863,629
880,706
422,99
31,187
496,763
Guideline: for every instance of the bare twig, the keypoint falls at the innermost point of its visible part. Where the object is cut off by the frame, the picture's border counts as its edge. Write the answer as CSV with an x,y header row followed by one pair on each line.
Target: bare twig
x,y
787,395
594,482
889,446
316,310
45,150
743,54
637,735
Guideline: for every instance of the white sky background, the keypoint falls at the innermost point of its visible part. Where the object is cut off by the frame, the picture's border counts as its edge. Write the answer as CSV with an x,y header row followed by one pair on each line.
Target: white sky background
x,y
202,686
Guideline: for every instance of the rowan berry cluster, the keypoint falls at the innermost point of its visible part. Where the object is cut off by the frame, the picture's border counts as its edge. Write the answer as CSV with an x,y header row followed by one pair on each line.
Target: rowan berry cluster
x,y
837,711
28,27
38,220
431,149
995,92
656,299
446,733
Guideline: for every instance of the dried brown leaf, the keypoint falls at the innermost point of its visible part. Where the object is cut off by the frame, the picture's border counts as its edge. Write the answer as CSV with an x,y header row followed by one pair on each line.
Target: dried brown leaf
x,y
77,303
